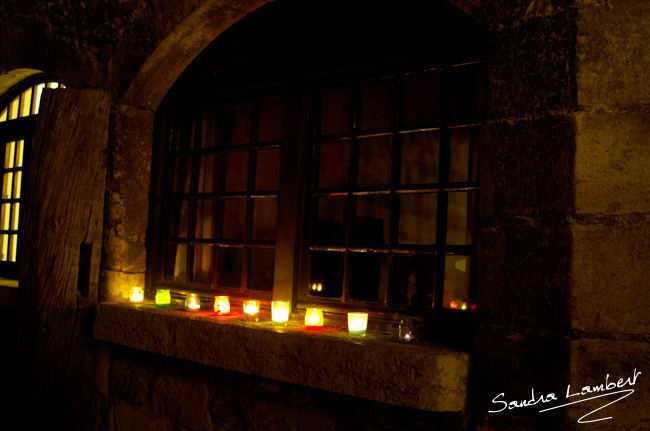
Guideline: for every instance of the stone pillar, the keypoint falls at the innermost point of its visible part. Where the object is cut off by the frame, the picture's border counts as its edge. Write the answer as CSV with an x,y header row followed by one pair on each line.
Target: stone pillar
x,y
124,256
611,229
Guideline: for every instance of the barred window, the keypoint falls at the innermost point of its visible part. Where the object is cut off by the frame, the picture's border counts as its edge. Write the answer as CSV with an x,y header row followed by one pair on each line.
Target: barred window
x,y
331,167
19,107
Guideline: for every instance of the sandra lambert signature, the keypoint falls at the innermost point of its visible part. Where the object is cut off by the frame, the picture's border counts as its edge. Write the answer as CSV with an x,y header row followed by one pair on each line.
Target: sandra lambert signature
x,y
609,389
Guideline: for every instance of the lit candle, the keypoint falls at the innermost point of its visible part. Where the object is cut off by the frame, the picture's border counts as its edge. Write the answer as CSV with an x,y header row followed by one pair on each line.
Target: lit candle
x,y
221,304
357,323
137,294
280,311
251,309
163,297
314,319
192,302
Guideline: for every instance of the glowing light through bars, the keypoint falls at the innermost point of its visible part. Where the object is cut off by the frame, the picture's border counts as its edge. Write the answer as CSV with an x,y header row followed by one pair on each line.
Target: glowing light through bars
x,y
221,304
280,311
137,294
314,319
357,323
192,302
163,297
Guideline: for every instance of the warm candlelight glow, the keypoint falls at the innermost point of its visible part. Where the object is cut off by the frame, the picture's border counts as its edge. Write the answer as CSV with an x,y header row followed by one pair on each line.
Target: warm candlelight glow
x,y
280,311
137,294
192,302
314,319
251,309
163,297
221,304
357,323
317,287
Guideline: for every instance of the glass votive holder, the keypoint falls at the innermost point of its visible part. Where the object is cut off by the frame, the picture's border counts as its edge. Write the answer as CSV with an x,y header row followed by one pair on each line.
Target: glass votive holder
x,y
163,297
137,294
221,304
314,319
357,324
280,311
192,302
251,309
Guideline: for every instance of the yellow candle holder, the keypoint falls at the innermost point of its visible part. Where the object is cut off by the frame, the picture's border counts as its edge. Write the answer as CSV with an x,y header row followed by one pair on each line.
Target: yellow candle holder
x,y
251,309
221,304
357,324
314,319
137,294
280,311
163,297
192,302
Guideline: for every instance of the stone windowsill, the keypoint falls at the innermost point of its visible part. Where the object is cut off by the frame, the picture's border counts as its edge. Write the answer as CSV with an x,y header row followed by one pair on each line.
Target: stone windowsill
x,y
426,377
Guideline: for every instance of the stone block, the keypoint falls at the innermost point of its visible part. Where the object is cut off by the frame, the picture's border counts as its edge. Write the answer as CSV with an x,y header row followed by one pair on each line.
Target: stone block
x,y
523,275
527,166
130,418
130,375
612,162
515,364
609,274
591,361
531,67
181,393
612,53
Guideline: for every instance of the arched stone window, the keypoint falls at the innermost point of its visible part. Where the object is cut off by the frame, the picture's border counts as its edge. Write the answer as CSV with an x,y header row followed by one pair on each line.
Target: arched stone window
x,y
331,160
20,95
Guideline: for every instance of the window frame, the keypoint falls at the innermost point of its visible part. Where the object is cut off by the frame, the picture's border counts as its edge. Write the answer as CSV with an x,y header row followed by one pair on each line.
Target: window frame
x,y
292,229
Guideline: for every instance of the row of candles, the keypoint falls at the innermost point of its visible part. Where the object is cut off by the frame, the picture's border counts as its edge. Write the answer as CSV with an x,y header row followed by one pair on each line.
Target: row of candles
x,y
280,310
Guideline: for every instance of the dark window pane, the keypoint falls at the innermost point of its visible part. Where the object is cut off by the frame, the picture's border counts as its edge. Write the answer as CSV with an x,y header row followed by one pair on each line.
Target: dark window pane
x,y
229,264
422,99
337,110
202,264
327,269
179,216
237,171
328,223
234,219
267,174
461,140
457,270
412,280
264,219
417,218
183,133
260,269
208,174
375,155
205,218
175,262
270,128
237,122
420,156
333,168
377,104
367,276
371,225
210,136
460,207
182,174
465,105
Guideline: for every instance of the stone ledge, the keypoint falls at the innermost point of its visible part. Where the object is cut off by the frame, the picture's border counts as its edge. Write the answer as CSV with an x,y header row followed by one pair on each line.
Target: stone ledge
x,y
426,377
